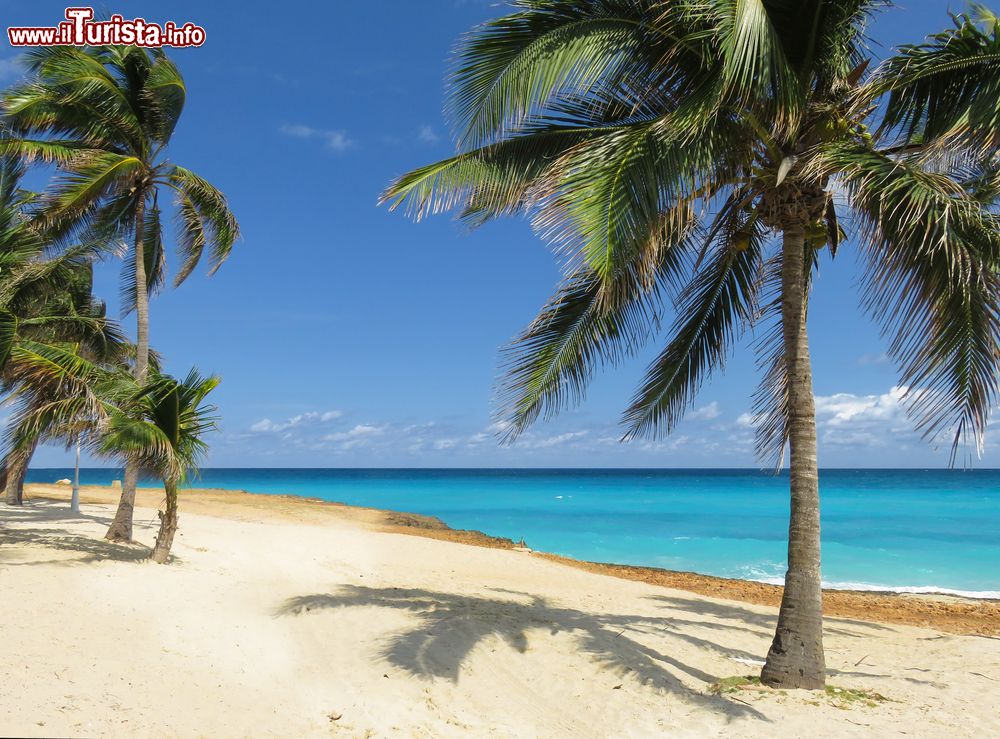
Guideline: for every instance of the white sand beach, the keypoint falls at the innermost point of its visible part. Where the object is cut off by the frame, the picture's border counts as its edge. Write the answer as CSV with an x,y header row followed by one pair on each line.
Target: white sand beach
x,y
272,624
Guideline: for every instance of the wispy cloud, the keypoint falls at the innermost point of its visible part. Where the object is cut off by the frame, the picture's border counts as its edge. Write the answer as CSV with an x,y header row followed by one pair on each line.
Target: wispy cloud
x,y
558,440
427,135
359,435
266,425
332,139
866,360
706,413
853,430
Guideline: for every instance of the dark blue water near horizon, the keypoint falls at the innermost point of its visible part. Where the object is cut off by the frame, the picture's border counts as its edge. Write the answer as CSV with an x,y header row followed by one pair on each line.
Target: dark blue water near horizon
x,y
936,530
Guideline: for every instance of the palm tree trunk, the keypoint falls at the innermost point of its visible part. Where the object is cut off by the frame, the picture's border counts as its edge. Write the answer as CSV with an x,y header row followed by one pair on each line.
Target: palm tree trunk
x,y
17,468
121,526
168,526
796,657
11,495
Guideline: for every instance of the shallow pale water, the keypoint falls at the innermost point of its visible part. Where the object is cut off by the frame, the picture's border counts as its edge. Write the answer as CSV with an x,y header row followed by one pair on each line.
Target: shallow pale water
x,y
933,530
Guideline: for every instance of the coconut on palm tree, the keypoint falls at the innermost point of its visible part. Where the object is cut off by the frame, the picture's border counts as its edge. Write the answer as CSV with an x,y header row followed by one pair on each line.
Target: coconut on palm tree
x,y
160,428
104,116
701,156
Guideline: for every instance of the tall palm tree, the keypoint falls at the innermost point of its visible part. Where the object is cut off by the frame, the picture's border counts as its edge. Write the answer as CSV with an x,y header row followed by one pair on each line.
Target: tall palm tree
x,y
161,429
700,154
45,300
104,116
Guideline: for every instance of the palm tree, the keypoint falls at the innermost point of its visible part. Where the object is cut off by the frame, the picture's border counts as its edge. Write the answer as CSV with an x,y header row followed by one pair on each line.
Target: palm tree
x,y
59,394
104,116
45,300
160,428
700,154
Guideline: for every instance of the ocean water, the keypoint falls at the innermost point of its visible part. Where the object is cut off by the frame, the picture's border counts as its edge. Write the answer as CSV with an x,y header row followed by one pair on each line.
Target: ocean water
x,y
908,530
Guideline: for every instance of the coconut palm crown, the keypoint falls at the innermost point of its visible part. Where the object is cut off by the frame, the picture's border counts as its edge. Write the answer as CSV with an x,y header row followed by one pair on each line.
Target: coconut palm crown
x,y
698,157
104,116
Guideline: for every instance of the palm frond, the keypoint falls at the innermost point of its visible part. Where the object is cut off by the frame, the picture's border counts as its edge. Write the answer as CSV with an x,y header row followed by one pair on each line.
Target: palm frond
x,y
712,312
166,93
494,180
947,88
598,205
204,220
91,176
755,67
510,68
590,322
932,282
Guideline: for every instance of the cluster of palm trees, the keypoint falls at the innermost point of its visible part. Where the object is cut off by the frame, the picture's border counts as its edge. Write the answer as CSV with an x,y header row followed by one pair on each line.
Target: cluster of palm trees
x,y
699,157
98,121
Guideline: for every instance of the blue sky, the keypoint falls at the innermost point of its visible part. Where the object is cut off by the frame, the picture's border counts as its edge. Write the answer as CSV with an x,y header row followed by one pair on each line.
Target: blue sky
x,y
349,336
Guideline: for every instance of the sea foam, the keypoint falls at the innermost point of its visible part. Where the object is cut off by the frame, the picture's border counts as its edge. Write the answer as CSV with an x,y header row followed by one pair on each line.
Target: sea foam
x,y
911,589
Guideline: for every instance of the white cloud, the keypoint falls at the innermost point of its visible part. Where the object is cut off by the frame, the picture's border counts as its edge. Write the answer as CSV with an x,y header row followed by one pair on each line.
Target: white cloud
x,y
266,425
362,429
706,413
552,441
335,140
845,419
845,408
866,360
852,423
360,435
427,135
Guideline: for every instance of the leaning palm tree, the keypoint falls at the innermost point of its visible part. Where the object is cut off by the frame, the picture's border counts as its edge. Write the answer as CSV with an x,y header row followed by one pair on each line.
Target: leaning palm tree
x,y
59,393
45,300
87,336
160,429
703,154
105,116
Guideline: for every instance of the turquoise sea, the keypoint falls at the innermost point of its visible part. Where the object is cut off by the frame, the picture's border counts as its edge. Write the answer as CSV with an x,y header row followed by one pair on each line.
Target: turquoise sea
x,y
912,530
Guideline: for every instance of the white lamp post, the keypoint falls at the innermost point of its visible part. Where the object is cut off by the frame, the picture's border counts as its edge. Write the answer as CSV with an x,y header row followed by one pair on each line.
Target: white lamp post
x,y
74,503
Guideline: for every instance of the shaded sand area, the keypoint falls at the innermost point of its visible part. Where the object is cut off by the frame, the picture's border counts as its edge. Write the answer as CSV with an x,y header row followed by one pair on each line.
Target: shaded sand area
x,y
284,616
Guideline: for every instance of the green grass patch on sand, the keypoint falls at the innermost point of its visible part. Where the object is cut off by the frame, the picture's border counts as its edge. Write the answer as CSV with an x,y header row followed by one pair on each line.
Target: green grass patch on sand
x,y
735,684
849,697
844,698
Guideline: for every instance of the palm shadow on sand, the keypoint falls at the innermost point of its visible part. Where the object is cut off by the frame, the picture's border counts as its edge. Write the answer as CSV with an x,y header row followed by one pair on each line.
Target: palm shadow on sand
x,y
451,625
51,530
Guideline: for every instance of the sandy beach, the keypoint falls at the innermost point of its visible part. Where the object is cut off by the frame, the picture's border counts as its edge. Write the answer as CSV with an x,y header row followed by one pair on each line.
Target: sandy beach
x,y
290,617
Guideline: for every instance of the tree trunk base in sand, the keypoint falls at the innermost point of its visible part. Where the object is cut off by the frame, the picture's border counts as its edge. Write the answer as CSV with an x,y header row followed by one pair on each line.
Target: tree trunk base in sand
x,y
168,527
120,530
796,660
165,538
